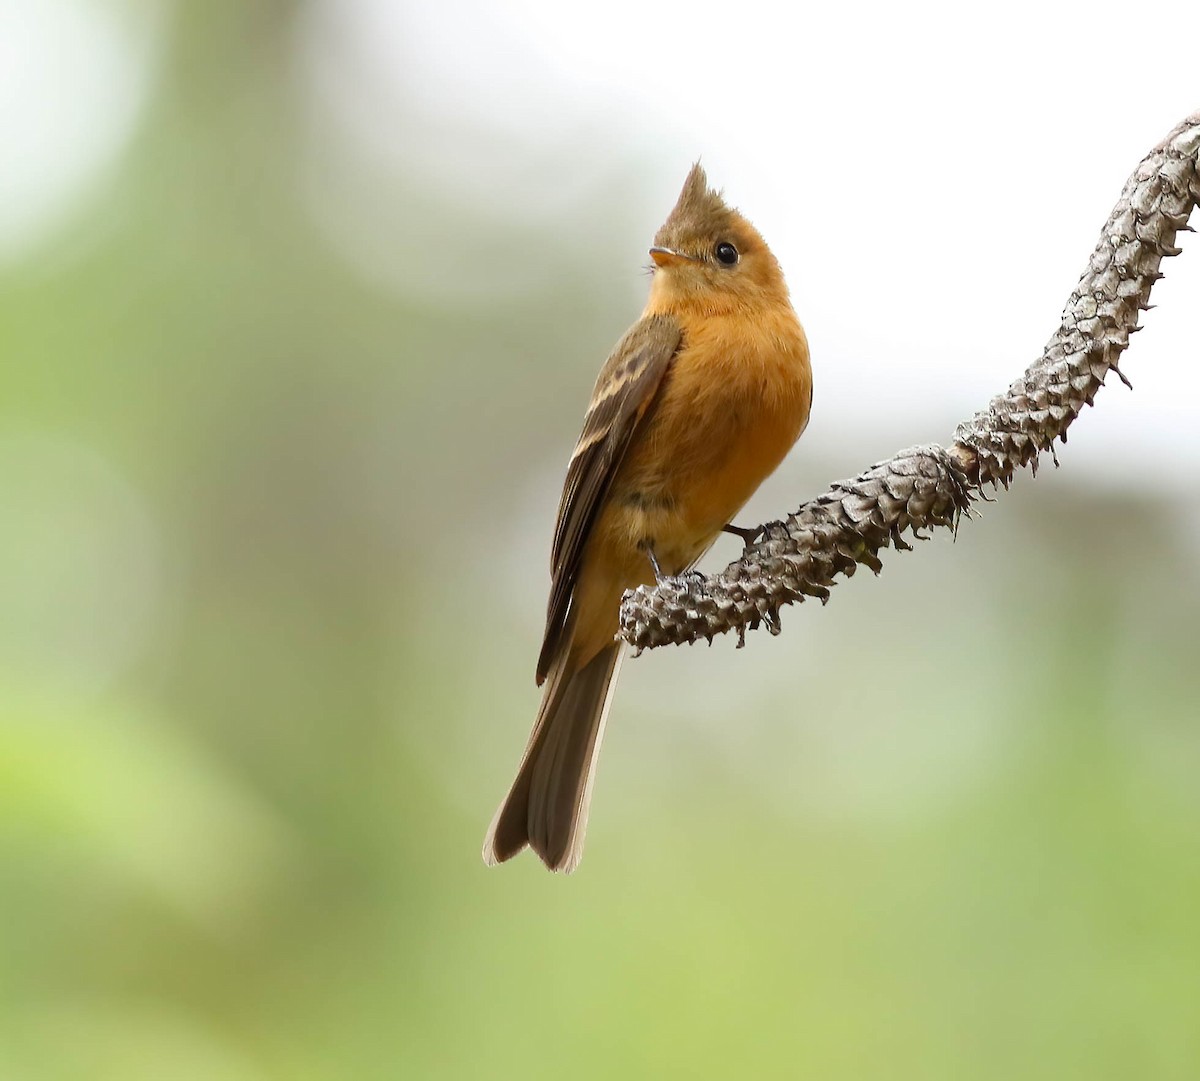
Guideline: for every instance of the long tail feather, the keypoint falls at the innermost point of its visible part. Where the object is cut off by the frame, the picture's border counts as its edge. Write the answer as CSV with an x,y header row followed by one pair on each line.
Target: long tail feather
x,y
547,806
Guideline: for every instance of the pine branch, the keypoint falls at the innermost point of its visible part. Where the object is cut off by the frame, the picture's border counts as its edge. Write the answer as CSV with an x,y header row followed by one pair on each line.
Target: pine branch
x,y
925,487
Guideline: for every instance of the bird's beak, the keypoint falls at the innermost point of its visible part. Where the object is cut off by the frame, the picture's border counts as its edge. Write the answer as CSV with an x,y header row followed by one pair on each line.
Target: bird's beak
x,y
664,257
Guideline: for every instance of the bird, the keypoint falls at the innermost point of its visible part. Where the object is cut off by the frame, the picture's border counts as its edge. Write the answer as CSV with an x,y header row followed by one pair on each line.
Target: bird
x,y
697,404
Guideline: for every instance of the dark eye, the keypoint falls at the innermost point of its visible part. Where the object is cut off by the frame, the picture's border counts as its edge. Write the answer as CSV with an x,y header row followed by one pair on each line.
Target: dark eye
x,y
726,253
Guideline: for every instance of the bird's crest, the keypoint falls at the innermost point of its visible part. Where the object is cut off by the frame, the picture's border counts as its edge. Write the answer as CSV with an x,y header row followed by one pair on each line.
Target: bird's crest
x,y
700,213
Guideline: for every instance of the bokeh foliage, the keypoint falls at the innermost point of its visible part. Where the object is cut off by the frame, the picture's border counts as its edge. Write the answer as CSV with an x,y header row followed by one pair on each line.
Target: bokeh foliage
x,y
271,599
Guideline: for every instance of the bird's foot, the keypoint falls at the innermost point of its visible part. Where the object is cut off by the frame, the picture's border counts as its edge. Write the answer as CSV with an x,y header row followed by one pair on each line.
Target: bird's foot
x,y
658,574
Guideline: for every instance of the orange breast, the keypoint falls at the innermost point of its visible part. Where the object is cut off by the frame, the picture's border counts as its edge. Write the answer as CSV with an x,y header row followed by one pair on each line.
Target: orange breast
x,y
734,402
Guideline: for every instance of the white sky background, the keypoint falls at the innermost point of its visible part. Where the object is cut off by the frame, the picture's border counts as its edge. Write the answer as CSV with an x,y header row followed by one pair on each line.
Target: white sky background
x,y
932,177
933,181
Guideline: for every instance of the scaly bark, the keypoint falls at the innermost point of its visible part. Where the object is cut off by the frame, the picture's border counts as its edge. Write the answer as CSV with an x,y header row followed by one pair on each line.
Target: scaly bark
x,y
923,487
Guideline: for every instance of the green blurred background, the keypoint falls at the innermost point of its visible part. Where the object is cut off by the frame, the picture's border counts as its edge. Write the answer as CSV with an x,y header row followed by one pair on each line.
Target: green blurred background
x,y
272,565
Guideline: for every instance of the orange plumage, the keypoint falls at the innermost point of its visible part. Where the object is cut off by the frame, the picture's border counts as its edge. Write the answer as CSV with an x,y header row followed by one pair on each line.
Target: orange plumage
x,y
696,406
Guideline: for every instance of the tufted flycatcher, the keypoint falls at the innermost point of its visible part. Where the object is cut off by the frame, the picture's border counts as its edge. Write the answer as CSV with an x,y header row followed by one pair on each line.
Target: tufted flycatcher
x,y
695,407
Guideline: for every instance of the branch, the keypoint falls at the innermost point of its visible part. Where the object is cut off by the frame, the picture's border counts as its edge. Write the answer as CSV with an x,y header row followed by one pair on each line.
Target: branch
x,y
930,486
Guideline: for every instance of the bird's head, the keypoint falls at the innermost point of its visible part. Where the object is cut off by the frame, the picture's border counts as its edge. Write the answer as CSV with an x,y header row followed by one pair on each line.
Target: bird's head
x,y
707,256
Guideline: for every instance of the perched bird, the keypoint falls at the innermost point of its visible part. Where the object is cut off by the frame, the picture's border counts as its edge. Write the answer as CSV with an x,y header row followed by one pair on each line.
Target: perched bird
x,y
697,404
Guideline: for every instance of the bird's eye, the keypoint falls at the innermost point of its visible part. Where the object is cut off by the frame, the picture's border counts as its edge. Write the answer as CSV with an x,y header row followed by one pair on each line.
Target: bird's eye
x,y
726,253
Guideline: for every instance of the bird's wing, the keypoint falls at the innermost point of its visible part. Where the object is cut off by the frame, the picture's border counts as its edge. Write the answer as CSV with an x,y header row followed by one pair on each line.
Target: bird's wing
x,y
624,389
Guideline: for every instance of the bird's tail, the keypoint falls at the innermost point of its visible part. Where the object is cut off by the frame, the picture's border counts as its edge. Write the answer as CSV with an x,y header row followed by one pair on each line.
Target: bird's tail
x,y
547,806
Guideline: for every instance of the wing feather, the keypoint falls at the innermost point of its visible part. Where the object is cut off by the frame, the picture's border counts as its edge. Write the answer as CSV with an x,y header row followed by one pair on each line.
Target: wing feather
x,y
624,389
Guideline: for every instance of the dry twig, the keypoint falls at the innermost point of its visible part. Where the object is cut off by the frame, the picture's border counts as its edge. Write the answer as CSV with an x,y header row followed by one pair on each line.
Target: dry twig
x,y
923,487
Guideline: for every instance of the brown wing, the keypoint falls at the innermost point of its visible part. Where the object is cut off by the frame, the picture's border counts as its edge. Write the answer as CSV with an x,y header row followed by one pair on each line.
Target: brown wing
x,y
624,388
